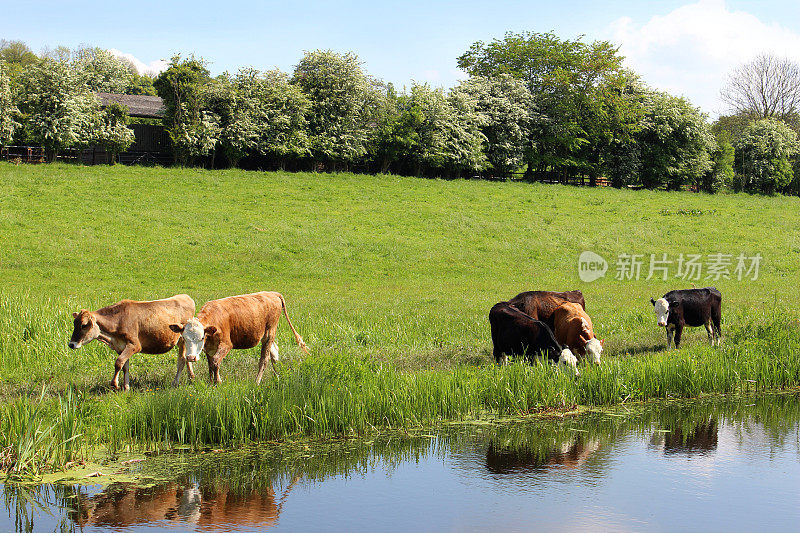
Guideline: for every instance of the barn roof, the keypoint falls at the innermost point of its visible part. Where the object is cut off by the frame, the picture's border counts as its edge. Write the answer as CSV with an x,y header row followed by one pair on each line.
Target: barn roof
x,y
138,105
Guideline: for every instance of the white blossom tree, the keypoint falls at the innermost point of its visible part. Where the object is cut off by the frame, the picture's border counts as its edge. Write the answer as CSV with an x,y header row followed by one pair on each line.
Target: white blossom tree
x,y
508,109
102,71
113,135
58,109
765,152
267,117
338,123
8,110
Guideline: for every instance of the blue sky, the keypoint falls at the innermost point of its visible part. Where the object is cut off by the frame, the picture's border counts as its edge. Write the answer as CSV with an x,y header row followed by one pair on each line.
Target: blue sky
x,y
685,47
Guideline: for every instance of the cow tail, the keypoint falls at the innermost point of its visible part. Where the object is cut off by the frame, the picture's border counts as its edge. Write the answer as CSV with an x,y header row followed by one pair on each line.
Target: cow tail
x,y
297,336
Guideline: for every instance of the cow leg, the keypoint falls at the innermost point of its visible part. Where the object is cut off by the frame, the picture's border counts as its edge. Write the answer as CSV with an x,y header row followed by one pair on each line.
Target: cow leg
x,y
214,362
716,318
126,375
670,332
274,356
122,364
181,364
262,362
678,332
271,347
710,331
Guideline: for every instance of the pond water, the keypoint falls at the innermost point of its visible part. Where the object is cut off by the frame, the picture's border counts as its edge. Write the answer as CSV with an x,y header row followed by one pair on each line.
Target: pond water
x,y
716,465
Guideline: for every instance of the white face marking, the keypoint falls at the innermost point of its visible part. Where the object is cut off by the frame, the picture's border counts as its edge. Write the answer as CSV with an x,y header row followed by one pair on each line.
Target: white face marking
x,y
593,350
194,335
661,308
568,359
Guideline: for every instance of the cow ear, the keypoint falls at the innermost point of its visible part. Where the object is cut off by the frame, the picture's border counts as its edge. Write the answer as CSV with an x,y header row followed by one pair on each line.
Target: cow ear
x,y
75,314
210,330
652,301
177,328
602,341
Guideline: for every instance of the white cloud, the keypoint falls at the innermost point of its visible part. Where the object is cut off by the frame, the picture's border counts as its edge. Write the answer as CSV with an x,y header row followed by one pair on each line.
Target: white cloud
x,y
152,68
692,50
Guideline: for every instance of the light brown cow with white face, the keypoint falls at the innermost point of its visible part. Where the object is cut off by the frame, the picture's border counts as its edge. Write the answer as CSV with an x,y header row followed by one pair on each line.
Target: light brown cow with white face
x,y
130,327
573,327
235,322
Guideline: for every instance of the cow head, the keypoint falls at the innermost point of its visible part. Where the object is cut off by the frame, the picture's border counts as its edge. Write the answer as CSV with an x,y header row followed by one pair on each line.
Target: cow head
x,y
567,358
661,307
85,329
593,350
195,336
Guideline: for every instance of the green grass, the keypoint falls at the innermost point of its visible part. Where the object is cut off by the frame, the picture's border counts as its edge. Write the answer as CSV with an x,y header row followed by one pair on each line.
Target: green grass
x,y
388,279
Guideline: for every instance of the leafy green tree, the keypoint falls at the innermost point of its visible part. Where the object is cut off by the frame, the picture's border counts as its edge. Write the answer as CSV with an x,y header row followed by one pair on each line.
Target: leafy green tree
x,y
675,143
8,110
338,121
114,136
397,133
765,156
448,140
508,111
194,131
576,86
142,84
58,109
722,158
16,56
102,71
732,126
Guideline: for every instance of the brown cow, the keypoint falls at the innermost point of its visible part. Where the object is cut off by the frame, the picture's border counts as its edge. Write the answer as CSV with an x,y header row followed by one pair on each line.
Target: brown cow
x,y
235,322
206,508
573,327
130,327
541,304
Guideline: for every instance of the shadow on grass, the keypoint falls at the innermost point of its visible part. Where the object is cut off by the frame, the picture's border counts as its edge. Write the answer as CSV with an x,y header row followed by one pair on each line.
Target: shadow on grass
x,y
641,349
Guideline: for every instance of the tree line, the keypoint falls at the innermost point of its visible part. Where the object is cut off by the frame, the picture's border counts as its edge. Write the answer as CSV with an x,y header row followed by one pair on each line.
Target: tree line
x,y
534,104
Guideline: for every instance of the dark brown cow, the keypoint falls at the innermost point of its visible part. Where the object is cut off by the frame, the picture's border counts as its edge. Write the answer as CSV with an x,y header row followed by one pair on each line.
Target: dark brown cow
x,y
516,333
130,327
235,322
541,304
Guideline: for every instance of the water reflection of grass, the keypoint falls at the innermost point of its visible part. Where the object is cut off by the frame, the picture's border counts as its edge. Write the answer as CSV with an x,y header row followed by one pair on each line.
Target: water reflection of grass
x,y
261,476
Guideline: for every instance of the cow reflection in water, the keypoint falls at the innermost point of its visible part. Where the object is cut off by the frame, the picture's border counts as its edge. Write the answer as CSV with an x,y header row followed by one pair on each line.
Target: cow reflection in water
x,y
701,440
207,507
571,454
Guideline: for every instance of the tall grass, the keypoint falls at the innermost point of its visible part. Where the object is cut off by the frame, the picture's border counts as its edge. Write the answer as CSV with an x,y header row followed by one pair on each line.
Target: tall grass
x,y
37,435
336,395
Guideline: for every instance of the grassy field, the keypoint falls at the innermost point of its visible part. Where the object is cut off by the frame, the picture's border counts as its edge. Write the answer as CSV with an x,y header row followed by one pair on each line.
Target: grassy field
x,y
379,270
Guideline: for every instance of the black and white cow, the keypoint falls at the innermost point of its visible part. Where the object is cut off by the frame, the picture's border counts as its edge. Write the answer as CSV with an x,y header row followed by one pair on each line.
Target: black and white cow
x,y
517,333
690,307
